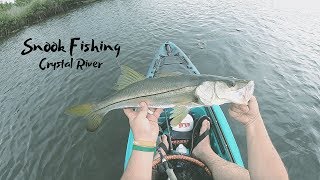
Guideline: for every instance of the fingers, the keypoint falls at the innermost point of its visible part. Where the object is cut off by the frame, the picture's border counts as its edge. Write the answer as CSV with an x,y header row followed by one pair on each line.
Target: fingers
x,y
142,114
157,113
234,112
155,116
151,110
129,113
253,103
239,108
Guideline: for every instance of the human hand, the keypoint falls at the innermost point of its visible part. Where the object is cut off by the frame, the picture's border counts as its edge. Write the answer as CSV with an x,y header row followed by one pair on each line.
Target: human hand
x,y
144,126
246,114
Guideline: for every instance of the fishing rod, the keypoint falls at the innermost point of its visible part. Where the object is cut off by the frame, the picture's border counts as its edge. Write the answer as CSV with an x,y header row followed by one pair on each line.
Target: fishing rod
x,y
168,167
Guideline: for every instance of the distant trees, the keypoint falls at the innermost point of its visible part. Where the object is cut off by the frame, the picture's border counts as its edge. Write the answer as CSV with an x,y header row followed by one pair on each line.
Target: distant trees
x,y
22,2
5,6
14,16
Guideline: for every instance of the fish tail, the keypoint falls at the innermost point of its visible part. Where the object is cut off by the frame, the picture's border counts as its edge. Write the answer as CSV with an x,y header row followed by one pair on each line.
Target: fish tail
x,y
89,111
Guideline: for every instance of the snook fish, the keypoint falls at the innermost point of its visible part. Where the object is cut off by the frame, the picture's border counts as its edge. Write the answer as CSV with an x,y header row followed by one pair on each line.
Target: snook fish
x,y
179,91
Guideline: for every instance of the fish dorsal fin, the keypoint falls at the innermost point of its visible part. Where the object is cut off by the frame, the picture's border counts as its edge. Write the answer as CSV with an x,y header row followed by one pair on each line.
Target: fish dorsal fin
x,y
128,76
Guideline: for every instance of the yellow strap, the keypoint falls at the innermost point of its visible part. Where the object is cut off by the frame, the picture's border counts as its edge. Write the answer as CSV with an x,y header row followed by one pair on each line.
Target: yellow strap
x,y
144,143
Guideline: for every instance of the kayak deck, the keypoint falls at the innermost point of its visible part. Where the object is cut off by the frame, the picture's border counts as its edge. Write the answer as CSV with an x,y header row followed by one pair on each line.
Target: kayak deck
x,y
171,58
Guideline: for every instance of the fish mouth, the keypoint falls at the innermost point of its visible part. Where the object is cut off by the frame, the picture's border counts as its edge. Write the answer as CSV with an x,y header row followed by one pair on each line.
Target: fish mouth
x,y
239,96
243,95
248,91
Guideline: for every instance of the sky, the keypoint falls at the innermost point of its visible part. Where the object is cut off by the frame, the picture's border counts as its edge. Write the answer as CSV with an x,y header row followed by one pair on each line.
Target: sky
x,y
3,1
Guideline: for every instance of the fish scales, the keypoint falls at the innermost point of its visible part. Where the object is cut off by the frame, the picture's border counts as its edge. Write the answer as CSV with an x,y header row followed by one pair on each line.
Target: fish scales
x,y
153,88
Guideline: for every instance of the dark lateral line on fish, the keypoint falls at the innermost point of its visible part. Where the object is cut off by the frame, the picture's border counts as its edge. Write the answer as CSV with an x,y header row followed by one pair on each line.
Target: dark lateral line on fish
x,y
142,96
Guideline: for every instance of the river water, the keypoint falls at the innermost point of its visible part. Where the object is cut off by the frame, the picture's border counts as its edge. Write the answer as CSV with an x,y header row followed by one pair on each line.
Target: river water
x,y
278,49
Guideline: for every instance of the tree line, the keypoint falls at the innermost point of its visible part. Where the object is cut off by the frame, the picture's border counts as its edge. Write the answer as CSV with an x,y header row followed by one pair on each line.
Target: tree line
x,y
21,13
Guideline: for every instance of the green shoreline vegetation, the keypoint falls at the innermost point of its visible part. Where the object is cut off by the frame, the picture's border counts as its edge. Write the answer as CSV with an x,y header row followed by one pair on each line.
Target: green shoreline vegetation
x,y
21,13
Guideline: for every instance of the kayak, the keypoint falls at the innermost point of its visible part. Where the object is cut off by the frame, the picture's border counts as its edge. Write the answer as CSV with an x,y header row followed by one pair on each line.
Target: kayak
x,y
171,59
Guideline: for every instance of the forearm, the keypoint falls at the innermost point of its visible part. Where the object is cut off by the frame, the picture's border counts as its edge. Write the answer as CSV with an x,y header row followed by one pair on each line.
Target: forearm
x,y
222,169
139,166
263,160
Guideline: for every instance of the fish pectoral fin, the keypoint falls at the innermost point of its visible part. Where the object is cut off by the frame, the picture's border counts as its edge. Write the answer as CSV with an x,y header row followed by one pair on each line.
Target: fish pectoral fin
x,y
88,111
94,121
178,114
128,76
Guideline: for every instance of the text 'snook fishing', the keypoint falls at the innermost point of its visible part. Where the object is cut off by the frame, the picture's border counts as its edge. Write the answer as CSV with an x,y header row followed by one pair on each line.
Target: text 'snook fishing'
x,y
75,44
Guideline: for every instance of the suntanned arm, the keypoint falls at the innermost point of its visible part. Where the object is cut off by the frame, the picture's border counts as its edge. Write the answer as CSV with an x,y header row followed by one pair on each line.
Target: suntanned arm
x,y
263,159
144,127
222,169
139,166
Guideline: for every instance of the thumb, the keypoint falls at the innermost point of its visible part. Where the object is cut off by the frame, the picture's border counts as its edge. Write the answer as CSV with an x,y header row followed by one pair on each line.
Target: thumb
x,y
143,111
253,104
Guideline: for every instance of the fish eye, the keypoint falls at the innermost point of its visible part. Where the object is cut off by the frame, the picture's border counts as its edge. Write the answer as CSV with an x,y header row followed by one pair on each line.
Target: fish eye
x,y
231,83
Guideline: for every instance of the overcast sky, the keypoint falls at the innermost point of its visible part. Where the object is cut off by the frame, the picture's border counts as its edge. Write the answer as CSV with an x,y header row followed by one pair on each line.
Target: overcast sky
x,y
3,1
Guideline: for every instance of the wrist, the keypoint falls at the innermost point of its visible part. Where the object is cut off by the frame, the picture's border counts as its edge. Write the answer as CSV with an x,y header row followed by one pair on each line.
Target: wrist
x,y
143,148
144,137
251,124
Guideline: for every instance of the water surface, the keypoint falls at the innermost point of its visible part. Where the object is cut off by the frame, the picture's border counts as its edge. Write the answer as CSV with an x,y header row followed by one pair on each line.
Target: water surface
x,y
277,49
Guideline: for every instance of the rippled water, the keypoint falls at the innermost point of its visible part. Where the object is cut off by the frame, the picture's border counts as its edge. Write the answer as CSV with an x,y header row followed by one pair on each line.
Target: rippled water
x,y
278,49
